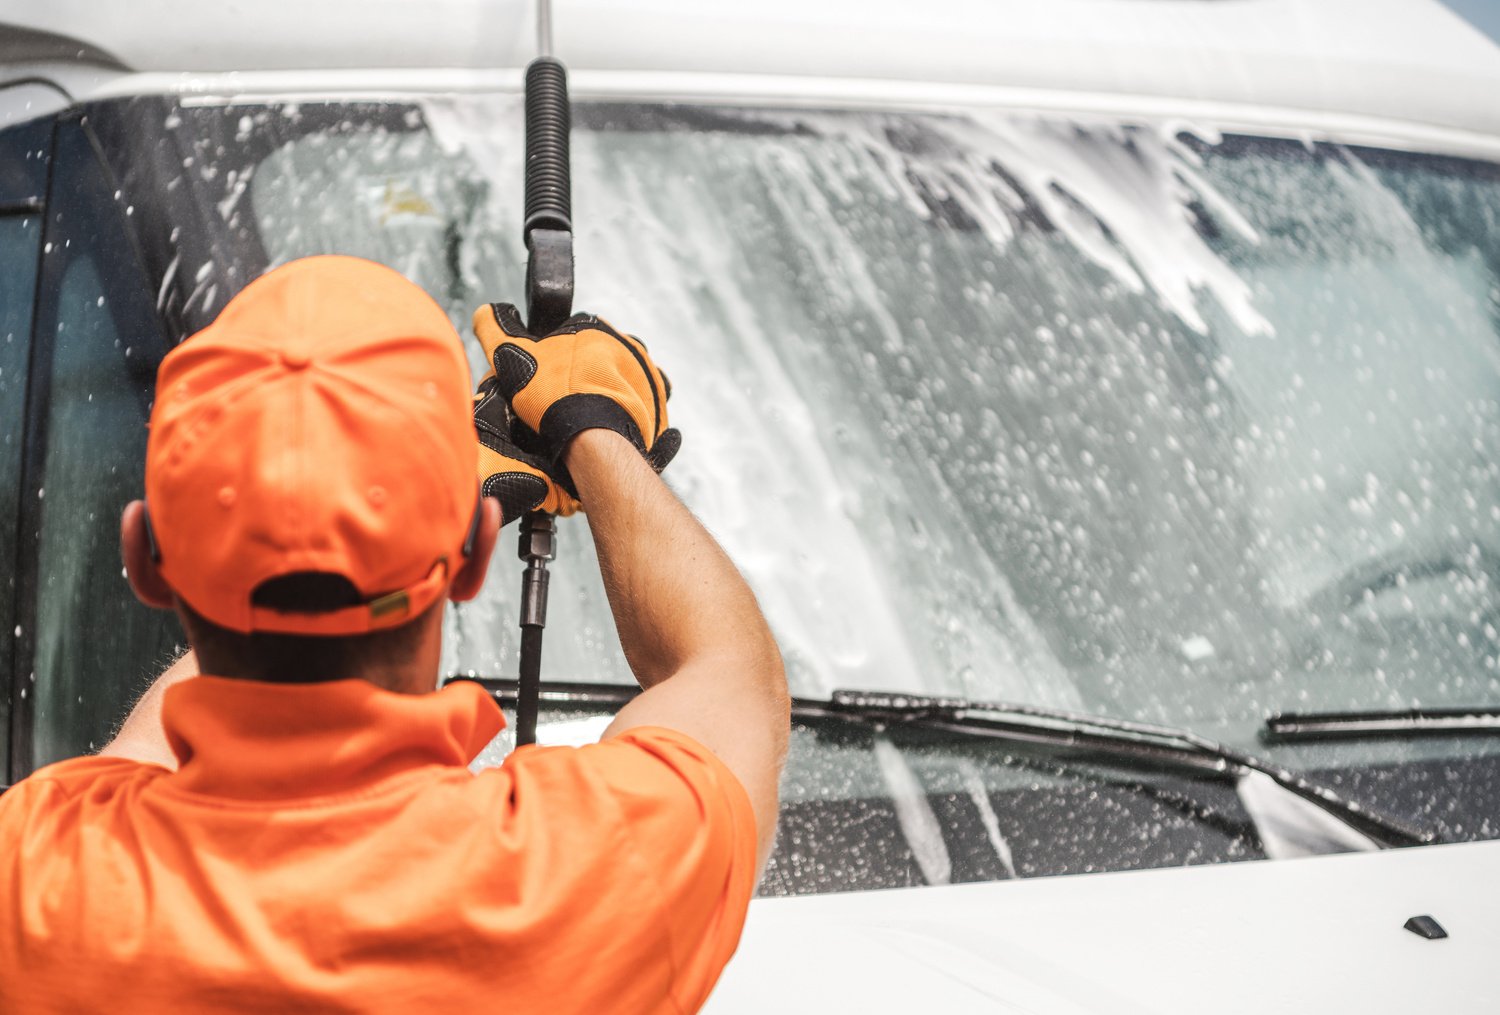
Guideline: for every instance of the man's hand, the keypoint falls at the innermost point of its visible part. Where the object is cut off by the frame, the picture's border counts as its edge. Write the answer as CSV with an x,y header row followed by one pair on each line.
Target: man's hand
x,y
518,480
583,376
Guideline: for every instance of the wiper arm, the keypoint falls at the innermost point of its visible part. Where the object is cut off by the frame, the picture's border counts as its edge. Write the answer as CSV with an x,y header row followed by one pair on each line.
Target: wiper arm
x,y
1112,739
1286,727
1097,736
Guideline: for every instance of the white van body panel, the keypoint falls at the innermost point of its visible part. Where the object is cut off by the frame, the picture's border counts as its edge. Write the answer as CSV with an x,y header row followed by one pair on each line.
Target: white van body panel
x,y
1408,60
1323,934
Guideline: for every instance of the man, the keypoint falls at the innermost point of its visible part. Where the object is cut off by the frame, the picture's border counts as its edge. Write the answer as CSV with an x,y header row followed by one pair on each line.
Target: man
x,y
299,830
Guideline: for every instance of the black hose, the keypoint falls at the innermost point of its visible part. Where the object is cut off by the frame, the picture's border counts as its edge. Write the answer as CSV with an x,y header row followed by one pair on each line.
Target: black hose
x,y
528,688
549,201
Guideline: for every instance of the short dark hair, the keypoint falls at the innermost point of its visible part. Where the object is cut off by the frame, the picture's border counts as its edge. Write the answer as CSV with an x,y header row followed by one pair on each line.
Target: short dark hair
x,y
300,658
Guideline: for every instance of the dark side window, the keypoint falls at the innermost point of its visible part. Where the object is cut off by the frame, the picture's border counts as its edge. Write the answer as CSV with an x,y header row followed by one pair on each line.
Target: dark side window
x,y
23,152
92,645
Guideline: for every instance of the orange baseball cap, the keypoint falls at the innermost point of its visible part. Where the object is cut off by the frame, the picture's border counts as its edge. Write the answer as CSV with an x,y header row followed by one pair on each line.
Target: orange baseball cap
x,y
322,423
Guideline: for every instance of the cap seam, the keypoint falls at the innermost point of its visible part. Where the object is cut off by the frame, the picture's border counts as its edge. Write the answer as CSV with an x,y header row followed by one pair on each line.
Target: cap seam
x,y
300,492
229,392
429,430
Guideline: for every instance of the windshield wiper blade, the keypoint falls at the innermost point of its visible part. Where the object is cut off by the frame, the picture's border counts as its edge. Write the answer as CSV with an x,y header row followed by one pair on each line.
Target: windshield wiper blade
x,y
1285,727
1113,739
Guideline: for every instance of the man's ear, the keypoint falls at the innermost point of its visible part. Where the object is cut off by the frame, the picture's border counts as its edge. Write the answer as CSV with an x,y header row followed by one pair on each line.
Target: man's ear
x,y
135,547
469,577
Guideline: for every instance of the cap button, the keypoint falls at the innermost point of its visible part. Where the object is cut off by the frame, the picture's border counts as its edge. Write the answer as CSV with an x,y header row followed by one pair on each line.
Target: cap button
x,y
295,359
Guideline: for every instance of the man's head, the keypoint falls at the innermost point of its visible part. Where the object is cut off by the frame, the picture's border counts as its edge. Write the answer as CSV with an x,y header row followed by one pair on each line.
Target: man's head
x,y
311,493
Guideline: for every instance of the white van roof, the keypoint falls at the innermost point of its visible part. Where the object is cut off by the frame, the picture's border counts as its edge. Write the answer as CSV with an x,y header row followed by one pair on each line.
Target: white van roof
x,y
1408,61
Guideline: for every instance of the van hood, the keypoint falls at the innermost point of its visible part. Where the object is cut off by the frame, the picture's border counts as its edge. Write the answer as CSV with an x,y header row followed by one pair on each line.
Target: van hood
x,y
1318,934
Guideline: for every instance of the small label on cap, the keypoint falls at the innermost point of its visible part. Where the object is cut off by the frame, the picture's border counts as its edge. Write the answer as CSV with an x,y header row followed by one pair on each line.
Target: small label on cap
x,y
388,604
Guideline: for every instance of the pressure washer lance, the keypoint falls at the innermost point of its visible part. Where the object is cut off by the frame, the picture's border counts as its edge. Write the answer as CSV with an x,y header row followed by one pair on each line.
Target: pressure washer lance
x,y
548,232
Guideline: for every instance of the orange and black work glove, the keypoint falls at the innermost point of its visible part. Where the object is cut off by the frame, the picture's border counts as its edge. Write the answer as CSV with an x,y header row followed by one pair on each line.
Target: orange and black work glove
x,y
583,376
517,479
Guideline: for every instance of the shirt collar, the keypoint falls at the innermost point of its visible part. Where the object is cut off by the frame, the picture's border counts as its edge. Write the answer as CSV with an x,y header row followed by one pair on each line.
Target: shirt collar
x,y
263,741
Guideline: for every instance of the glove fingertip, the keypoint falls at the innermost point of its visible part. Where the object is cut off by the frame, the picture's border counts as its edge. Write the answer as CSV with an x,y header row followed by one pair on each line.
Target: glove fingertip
x,y
509,319
665,449
517,492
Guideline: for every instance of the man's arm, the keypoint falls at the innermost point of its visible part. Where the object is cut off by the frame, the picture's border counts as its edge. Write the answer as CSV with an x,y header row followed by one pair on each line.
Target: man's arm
x,y
142,738
689,625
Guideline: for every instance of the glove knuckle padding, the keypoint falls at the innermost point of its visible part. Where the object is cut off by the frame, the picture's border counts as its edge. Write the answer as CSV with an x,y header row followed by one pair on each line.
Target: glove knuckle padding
x,y
514,368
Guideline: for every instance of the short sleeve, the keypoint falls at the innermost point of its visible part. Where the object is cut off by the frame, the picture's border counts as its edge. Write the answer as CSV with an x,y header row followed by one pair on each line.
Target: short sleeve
x,y
689,822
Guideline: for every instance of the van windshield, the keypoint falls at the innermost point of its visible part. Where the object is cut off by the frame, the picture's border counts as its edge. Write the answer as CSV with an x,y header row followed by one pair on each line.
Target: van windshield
x,y
1122,418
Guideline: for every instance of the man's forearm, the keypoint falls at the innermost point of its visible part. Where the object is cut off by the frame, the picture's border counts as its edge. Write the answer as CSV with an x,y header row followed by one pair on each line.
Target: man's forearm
x,y
677,598
141,736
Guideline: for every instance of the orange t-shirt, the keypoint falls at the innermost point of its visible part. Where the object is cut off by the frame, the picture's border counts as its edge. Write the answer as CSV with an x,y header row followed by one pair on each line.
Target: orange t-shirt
x,y
324,847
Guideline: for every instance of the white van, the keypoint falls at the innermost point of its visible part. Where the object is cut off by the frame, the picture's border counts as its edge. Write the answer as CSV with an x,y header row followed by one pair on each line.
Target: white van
x,y
1102,396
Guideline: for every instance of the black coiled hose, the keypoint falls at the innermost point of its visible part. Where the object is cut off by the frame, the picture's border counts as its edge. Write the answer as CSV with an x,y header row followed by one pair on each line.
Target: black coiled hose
x,y
549,203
